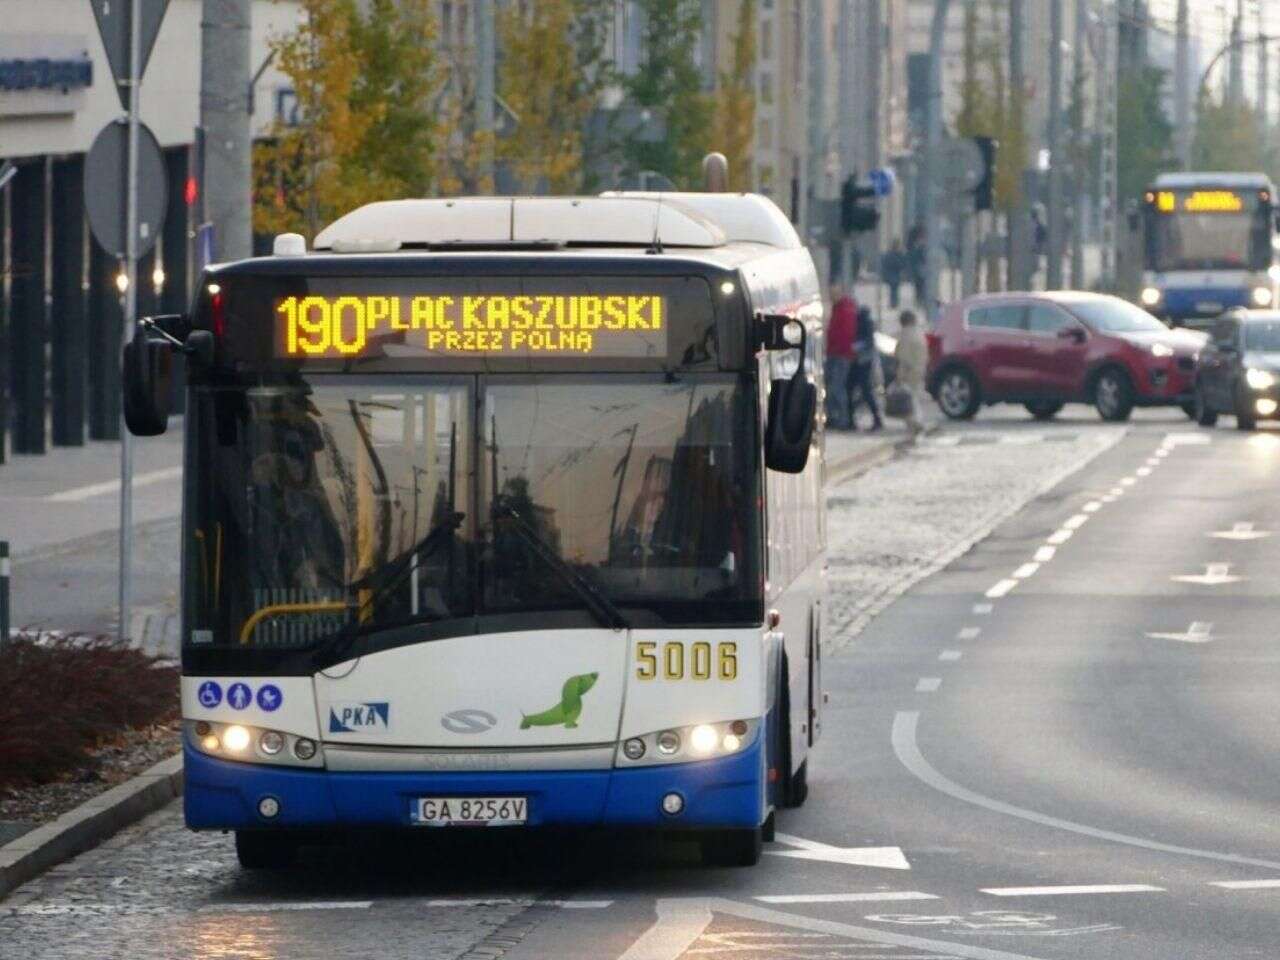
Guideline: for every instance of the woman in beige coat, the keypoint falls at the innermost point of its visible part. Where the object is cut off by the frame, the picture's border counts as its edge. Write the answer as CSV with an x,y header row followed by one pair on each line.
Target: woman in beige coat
x,y
912,355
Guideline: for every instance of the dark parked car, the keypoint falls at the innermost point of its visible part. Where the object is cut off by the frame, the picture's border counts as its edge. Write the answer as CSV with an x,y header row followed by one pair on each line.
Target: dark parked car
x,y
1239,368
1044,350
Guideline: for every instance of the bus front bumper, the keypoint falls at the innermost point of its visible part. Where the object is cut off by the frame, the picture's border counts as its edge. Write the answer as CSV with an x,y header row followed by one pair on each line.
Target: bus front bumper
x,y
724,793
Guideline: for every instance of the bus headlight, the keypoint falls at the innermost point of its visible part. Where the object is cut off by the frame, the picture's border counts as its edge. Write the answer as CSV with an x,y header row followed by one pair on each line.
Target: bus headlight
x,y
1259,379
1150,296
703,741
248,744
235,738
1262,296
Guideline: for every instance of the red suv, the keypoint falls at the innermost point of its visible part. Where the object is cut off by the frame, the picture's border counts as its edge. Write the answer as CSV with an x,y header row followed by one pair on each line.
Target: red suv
x,y
1044,350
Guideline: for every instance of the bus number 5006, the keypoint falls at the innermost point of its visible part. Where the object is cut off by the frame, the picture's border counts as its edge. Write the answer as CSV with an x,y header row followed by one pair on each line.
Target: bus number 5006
x,y
677,660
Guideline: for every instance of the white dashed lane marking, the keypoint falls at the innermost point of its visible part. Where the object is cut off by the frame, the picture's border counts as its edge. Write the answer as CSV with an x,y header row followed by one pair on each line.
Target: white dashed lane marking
x,y
1059,537
1070,891
1093,506
1075,522
928,684
1246,884
981,609
1044,554
873,897
1001,588
1026,570
970,633
949,656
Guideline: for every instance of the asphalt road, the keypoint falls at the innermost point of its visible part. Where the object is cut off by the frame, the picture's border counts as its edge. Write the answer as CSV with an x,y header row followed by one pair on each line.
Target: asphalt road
x,y
1057,746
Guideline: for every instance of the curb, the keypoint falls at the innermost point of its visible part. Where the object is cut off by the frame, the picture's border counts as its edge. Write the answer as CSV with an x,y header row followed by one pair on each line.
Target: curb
x,y
858,463
89,824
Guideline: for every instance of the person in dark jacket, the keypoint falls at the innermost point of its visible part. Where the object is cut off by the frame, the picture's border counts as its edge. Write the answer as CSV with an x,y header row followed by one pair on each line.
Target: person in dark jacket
x,y
892,264
862,372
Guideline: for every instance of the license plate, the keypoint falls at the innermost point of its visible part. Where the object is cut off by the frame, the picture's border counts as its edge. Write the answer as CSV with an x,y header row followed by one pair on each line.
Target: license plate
x,y
1208,306
470,811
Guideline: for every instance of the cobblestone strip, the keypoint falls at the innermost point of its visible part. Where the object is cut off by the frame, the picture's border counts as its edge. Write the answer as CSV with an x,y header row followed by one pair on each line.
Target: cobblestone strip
x,y
896,525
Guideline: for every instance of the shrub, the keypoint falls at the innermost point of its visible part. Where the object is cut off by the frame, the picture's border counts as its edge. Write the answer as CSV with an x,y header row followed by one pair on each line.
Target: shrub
x,y
63,696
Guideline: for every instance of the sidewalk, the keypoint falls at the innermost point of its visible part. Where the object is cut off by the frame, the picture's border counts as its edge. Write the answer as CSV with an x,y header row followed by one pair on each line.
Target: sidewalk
x,y
60,513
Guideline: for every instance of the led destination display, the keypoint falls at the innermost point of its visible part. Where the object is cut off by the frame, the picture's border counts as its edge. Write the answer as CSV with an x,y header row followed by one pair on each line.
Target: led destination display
x,y
496,324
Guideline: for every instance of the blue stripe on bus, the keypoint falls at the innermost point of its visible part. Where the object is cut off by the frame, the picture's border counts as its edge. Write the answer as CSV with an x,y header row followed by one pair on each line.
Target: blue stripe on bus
x,y
1181,301
728,792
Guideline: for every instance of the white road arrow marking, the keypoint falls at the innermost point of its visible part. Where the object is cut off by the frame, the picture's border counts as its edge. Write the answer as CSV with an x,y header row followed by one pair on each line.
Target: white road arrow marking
x,y
890,858
1241,531
1215,574
1198,632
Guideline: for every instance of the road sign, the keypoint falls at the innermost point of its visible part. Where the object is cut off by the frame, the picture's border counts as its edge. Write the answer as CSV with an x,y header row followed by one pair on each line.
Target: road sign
x,y
882,181
113,18
105,188
962,167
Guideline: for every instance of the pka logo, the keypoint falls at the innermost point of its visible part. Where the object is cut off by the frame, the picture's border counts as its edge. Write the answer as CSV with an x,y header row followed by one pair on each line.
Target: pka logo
x,y
368,717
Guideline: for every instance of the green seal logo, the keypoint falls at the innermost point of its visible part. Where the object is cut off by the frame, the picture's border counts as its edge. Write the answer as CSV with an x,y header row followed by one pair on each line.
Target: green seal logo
x,y
567,711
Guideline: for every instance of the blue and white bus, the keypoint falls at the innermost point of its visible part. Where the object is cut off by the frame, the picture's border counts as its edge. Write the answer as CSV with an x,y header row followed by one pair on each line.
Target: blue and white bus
x,y
1209,244
501,512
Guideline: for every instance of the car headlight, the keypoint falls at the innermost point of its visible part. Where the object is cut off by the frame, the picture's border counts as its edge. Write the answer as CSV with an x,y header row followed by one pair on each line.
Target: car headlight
x,y
1150,296
1273,272
1262,296
1259,379
702,741
1161,350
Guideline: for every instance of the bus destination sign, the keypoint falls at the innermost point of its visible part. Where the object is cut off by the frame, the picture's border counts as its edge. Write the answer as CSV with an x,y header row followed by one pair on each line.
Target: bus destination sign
x,y
1200,201
346,326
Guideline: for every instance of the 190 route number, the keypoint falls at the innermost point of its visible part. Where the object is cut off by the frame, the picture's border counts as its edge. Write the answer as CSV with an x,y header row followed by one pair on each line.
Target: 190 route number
x,y
471,811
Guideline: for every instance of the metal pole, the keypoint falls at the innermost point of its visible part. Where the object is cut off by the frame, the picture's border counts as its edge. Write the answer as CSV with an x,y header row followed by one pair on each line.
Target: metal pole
x,y
1019,248
4,592
485,83
1079,279
130,308
1107,90
1053,276
1264,88
224,117
933,166
1182,89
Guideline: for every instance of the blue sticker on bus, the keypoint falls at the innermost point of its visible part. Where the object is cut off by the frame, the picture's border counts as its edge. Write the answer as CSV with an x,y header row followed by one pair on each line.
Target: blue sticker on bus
x,y
269,697
353,717
209,694
239,696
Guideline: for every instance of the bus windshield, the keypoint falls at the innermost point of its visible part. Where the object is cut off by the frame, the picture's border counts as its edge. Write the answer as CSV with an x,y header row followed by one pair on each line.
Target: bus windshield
x,y
364,504
1263,336
1187,235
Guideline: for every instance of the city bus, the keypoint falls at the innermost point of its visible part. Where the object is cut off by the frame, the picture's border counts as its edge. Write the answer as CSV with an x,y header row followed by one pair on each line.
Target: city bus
x,y
500,512
1209,244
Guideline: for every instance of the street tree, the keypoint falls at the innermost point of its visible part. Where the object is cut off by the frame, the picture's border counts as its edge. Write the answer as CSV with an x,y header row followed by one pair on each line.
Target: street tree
x,y
668,85
735,102
551,74
1226,136
1144,135
363,75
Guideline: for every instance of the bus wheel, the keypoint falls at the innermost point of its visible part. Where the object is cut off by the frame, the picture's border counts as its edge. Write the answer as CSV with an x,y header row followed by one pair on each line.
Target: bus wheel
x,y
733,848
265,849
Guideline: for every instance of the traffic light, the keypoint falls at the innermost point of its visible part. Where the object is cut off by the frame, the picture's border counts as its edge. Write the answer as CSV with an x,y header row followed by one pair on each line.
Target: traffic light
x,y
984,192
854,216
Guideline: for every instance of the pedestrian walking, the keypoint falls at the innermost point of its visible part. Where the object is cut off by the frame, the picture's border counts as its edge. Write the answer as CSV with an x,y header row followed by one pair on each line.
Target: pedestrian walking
x,y
841,330
912,355
892,264
916,262
861,380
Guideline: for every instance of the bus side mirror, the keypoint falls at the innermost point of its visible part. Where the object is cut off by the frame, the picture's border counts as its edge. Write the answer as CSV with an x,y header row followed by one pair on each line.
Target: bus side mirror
x,y
793,408
793,402
147,383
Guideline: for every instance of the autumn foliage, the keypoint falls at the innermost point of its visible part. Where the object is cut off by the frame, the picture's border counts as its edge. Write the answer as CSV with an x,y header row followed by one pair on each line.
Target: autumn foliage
x,y
62,697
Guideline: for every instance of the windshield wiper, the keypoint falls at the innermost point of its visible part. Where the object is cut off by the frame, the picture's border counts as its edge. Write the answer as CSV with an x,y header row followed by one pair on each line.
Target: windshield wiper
x,y
392,575
604,609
